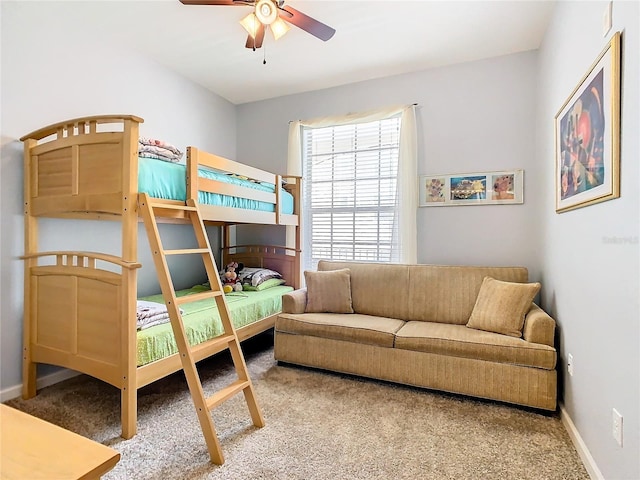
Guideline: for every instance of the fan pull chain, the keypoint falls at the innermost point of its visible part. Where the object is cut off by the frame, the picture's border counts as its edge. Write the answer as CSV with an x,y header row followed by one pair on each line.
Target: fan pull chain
x,y
264,53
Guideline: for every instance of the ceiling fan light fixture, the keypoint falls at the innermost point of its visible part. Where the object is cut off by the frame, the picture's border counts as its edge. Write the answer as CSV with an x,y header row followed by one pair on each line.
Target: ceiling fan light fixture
x,y
251,24
266,11
279,27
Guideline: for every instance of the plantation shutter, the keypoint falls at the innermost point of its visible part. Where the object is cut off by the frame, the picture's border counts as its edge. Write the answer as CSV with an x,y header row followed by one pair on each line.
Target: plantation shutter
x,y
351,174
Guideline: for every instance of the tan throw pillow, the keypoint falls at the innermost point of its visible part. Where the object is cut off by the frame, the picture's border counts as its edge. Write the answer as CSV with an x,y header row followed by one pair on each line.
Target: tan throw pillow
x,y
329,291
501,306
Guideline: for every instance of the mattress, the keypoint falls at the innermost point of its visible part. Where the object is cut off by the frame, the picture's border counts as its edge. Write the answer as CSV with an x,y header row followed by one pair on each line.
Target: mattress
x,y
202,319
167,180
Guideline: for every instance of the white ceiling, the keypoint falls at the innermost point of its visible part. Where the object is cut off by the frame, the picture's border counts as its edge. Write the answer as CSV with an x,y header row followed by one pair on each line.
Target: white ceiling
x,y
373,39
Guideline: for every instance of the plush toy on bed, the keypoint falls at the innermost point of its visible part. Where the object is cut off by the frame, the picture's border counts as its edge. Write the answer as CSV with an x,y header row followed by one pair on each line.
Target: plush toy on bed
x,y
230,280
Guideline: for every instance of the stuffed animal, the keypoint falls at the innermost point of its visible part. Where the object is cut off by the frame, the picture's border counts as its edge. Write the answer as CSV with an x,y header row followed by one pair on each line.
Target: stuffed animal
x,y
230,279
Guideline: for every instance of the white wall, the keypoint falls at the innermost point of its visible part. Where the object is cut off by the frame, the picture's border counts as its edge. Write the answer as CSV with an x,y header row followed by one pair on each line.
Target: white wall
x,y
590,284
49,75
477,116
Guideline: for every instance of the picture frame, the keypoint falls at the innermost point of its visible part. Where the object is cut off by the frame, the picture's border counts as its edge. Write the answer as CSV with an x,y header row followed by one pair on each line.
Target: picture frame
x,y
587,135
486,188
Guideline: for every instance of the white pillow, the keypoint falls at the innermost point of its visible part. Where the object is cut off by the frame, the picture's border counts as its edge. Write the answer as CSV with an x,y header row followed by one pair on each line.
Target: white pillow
x,y
255,276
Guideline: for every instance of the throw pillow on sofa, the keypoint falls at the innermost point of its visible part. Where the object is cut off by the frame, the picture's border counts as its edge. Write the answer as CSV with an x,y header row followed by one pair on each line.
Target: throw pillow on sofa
x,y
328,292
501,306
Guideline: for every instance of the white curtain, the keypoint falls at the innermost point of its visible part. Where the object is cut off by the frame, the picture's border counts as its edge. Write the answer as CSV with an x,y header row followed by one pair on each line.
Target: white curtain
x,y
407,184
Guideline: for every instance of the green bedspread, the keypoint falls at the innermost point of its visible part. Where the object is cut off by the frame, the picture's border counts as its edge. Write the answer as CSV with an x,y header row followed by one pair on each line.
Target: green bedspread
x,y
202,319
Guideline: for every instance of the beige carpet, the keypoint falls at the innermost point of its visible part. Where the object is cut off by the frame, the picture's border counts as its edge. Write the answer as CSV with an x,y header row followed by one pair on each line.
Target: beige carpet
x,y
319,425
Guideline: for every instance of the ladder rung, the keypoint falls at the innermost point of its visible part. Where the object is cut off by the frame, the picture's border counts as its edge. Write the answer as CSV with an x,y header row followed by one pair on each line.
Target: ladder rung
x,y
171,206
218,344
221,340
212,345
194,297
226,393
186,251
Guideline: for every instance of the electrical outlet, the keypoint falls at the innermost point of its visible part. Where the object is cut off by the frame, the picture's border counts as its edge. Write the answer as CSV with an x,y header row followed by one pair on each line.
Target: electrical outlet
x,y
617,426
606,19
570,364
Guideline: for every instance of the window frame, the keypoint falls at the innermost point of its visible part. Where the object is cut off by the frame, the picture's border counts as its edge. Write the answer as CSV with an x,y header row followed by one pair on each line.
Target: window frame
x,y
385,211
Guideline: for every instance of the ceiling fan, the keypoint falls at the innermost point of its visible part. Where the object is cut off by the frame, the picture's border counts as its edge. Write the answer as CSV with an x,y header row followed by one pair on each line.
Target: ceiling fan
x,y
271,14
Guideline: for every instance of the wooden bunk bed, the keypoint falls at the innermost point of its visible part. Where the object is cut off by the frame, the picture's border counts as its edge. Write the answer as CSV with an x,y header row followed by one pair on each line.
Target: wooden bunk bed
x,y
80,307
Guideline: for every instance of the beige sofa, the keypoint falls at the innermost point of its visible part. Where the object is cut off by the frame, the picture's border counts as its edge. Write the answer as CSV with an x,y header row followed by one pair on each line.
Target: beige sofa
x,y
409,325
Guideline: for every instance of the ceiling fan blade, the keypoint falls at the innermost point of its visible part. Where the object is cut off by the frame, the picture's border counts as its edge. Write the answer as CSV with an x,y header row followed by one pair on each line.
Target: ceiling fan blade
x,y
257,42
216,2
306,23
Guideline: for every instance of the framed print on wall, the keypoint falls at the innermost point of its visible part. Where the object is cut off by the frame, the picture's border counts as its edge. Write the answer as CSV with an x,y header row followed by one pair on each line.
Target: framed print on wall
x,y
488,188
587,135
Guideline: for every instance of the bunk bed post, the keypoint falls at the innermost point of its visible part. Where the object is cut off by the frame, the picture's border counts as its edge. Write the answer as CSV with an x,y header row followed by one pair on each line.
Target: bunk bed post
x,y
278,206
224,241
298,239
30,247
128,389
192,173
230,232
294,232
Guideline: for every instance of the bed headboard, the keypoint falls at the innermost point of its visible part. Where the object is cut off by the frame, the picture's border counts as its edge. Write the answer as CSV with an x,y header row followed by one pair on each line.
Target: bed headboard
x,y
283,260
74,167
81,311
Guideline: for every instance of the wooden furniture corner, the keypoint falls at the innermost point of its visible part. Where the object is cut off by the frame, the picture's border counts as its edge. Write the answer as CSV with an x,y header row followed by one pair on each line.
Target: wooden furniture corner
x,y
35,449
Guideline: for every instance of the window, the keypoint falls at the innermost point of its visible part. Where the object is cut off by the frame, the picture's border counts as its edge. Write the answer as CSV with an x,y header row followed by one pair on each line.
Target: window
x,y
351,174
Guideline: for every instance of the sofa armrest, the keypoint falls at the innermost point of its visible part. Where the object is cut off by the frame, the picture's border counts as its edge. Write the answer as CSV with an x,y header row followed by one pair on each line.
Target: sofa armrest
x,y
539,327
294,302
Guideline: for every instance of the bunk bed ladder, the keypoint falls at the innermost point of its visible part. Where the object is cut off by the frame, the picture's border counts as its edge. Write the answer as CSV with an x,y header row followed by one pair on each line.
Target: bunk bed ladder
x,y
228,338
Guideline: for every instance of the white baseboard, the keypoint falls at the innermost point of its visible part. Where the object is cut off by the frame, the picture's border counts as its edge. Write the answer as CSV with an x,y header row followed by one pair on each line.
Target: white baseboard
x,y
588,461
51,379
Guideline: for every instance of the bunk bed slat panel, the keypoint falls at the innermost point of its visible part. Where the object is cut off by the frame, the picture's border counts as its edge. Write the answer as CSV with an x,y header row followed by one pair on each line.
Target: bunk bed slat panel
x,y
102,138
99,314
100,169
110,203
55,312
81,177
76,320
70,271
89,366
53,173
78,169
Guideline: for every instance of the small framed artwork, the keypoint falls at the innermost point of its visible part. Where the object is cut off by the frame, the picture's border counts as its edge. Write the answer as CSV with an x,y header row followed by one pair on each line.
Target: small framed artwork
x,y
587,135
489,188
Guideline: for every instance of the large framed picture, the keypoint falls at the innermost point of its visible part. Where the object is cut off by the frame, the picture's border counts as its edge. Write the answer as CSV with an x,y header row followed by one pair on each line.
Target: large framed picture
x,y
587,135
488,188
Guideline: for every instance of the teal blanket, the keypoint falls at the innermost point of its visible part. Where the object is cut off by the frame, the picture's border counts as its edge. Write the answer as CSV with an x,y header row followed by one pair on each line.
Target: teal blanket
x,y
168,181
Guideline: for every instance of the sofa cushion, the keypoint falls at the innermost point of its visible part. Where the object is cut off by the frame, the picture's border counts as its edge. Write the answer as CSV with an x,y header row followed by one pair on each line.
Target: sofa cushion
x,y
376,288
460,341
366,329
447,294
328,292
501,306
431,293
